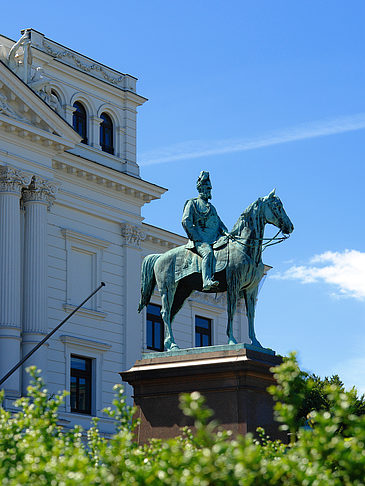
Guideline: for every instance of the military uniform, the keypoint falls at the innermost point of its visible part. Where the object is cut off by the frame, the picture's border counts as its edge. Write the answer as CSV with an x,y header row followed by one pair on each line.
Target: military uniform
x,y
203,227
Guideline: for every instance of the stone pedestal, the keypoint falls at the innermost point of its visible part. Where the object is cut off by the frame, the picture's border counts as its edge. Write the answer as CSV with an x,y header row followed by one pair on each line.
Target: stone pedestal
x,y
233,380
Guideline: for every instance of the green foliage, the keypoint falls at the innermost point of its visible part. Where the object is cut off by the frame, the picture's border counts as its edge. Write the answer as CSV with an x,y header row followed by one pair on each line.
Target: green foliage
x,y
299,394
35,450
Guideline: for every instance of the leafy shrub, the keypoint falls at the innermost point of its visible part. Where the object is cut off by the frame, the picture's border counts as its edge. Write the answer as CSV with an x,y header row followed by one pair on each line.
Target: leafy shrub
x,y
34,450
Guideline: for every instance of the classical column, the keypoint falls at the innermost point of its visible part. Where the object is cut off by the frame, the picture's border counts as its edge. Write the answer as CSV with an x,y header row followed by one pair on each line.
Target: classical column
x,y
132,237
37,198
11,183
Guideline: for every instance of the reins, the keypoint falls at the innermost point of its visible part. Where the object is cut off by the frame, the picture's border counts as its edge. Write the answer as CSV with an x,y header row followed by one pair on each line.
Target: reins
x,y
270,241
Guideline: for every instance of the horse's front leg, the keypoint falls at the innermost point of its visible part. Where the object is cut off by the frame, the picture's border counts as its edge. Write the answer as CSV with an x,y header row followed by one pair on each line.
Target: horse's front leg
x,y
169,341
232,297
250,299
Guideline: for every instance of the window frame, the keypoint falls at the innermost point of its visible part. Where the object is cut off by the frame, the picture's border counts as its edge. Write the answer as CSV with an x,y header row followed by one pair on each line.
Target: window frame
x,y
201,331
104,127
95,351
80,116
88,376
75,241
153,318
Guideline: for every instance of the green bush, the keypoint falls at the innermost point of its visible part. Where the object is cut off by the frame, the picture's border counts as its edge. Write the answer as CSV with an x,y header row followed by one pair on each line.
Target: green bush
x,y
34,450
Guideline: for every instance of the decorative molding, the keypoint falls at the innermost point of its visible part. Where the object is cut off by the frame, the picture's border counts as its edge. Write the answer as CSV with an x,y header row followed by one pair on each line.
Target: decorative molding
x,y
93,246
6,109
12,179
96,119
207,305
219,298
29,132
165,244
10,326
90,68
84,239
103,181
86,343
93,314
40,190
91,349
133,235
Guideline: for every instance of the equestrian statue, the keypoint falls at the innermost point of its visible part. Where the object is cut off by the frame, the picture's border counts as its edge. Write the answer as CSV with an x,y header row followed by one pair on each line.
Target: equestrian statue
x,y
214,260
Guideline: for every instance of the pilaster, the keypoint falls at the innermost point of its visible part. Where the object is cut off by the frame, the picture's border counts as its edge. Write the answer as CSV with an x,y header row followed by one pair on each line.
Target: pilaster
x,y
69,111
132,236
120,142
95,122
37,198
11,183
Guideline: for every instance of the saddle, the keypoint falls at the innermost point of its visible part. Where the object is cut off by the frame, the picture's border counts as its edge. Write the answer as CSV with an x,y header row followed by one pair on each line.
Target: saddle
x,y
188,261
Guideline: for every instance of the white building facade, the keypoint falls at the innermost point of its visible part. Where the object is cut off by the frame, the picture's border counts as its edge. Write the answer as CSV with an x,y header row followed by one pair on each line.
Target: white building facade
x,y
70,217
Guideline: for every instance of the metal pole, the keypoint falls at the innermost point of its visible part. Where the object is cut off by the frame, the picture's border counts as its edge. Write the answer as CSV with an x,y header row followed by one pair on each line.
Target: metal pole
x,y
32,351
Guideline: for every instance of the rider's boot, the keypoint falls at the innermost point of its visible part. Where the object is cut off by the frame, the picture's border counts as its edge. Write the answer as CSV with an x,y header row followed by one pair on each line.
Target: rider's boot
x,y
207,272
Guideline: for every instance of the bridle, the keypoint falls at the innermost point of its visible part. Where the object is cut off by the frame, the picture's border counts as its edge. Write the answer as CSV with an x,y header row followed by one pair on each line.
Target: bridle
x,y
269,241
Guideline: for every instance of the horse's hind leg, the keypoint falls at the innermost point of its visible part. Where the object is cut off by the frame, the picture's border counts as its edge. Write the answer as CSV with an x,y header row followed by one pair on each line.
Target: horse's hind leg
x,y
166,301
250,299
231,309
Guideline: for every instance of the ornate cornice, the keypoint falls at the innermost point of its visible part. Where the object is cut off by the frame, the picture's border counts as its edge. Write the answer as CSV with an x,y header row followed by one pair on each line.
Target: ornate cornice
x,y
12,179
91,68
133,235
109,184
163,243
40,190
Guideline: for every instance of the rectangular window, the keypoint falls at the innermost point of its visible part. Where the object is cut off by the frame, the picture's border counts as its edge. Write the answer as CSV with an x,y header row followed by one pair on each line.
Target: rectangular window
x,y
80,384
203,331
155,328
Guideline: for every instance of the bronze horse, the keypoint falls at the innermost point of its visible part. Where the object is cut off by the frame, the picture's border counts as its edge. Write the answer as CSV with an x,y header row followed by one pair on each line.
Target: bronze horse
x,y
239,279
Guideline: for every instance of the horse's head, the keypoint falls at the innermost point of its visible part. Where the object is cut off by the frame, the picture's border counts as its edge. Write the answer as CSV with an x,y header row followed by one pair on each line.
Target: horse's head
x,y
275,214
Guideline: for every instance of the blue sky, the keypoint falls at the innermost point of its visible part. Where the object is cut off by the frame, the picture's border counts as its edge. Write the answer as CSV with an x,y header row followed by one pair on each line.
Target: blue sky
x,y
262,94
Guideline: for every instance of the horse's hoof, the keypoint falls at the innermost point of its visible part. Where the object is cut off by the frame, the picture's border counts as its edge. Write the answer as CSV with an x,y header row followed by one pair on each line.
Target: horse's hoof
x,y
232,340
170,345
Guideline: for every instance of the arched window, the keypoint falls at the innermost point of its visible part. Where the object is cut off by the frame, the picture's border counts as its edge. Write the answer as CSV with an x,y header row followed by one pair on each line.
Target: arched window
x,y
79,121
106,134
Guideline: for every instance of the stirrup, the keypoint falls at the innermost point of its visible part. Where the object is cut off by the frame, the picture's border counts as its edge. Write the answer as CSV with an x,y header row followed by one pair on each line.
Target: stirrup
x,y
211,284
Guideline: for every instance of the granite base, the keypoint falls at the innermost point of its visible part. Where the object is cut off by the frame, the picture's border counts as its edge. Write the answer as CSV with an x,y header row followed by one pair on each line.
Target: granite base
x,y
233,381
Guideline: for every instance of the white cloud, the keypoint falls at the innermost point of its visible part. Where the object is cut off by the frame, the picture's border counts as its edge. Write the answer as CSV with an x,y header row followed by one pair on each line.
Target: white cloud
x,y
198,148
343,270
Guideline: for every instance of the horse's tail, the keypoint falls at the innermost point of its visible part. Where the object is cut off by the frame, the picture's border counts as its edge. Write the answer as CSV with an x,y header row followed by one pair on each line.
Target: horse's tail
x,y
148,280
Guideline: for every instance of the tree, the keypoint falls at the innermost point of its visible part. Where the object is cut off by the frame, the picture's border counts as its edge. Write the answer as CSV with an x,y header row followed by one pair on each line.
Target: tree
x,y
35,450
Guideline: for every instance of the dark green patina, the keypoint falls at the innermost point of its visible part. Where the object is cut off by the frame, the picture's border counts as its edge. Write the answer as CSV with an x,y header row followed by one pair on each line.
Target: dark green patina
x,y
214,260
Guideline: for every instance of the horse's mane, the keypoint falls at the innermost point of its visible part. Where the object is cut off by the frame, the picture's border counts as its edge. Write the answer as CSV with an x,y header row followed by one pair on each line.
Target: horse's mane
x,y
242,220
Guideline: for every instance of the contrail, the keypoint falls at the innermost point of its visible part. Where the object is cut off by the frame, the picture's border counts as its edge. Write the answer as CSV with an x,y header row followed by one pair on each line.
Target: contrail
x,y
197,148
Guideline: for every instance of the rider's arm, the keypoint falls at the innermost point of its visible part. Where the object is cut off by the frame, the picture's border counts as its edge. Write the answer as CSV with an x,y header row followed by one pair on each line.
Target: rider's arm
x,y
223,228
188,221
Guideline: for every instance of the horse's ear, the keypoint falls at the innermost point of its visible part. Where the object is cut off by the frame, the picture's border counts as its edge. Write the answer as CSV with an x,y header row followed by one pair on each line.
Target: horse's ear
x,y
272,193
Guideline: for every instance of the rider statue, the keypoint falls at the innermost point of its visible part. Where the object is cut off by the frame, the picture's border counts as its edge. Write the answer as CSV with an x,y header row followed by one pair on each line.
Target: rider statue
x,y
203,227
